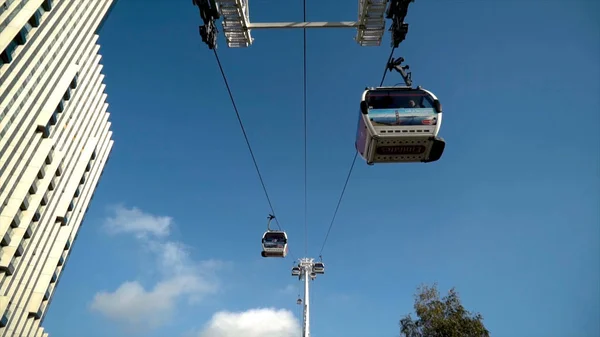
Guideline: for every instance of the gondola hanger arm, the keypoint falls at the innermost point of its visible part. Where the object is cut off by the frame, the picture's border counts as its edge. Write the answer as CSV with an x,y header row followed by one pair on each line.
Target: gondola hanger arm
x,y
270,217
396,64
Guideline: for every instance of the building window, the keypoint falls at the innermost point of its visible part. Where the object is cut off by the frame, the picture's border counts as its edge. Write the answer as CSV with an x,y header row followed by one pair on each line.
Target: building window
x,y
47,5
21,38
25,203
34,21
60,107
67,94
7,55
33,188
74,82
53,118
44,200
44,129
36,216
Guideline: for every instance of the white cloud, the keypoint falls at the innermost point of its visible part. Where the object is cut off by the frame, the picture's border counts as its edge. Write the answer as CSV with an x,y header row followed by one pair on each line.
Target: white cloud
x,y
139,309
264,322
290,289
138,223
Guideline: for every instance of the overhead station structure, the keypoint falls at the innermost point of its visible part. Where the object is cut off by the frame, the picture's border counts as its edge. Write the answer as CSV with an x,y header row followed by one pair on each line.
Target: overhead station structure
x,y
237,27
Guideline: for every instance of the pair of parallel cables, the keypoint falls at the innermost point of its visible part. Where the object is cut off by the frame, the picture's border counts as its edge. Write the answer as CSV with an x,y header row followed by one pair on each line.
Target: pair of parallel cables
x,y
341,197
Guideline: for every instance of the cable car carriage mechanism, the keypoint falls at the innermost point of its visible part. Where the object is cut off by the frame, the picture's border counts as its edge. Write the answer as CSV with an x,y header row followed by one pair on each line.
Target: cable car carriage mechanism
x,y
399,124
274,243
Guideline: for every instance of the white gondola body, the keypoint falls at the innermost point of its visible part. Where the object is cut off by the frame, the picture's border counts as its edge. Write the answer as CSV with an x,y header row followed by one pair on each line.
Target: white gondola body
x,y
319,268
296,271
274,244
390,130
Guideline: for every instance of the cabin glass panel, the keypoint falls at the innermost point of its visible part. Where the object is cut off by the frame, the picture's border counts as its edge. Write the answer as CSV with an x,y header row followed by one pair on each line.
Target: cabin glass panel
x,y
399,99
401,107
274,240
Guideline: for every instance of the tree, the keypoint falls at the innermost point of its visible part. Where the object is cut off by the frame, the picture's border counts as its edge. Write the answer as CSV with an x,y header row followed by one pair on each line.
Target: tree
x,y
445,317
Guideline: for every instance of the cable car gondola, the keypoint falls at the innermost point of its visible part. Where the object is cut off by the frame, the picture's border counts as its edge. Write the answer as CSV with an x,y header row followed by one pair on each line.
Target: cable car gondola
x,y
399,125
296,271
274,243
319,268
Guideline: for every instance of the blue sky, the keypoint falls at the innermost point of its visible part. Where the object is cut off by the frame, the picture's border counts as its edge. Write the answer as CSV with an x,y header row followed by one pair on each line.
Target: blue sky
x,y
509,215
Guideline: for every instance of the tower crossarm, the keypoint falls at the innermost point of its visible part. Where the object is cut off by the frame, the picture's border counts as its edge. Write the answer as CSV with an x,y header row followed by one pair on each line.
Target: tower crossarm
x,y
235,14
371,22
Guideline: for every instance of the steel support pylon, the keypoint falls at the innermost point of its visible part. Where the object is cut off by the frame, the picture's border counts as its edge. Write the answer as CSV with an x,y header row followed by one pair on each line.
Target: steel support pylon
x,y
306,319
307,273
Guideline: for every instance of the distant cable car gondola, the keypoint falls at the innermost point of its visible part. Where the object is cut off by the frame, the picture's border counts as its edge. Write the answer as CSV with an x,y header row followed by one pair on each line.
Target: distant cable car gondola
x,y
399,125
319,268
296,271
274,243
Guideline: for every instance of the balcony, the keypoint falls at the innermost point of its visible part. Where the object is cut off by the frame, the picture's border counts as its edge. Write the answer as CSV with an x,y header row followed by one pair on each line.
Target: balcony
x,y
63,220
47,5
37,314
41,173
4,304
67,95
52,184
44,130
60,107
33,188
44,200
73,84
21,37
53,119
35,19
8,268
5,241
19,251
7,54
28,232
25,204
16,221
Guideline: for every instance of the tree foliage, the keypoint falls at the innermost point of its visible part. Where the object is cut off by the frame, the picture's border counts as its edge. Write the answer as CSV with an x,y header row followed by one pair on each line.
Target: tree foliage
x,y
441,317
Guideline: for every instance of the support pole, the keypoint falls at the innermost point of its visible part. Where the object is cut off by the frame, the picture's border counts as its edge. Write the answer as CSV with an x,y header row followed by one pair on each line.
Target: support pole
x,y
306,270
306,329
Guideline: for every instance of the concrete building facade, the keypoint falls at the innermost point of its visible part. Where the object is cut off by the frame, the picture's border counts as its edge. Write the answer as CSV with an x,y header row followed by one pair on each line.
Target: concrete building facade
x,y
55,139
